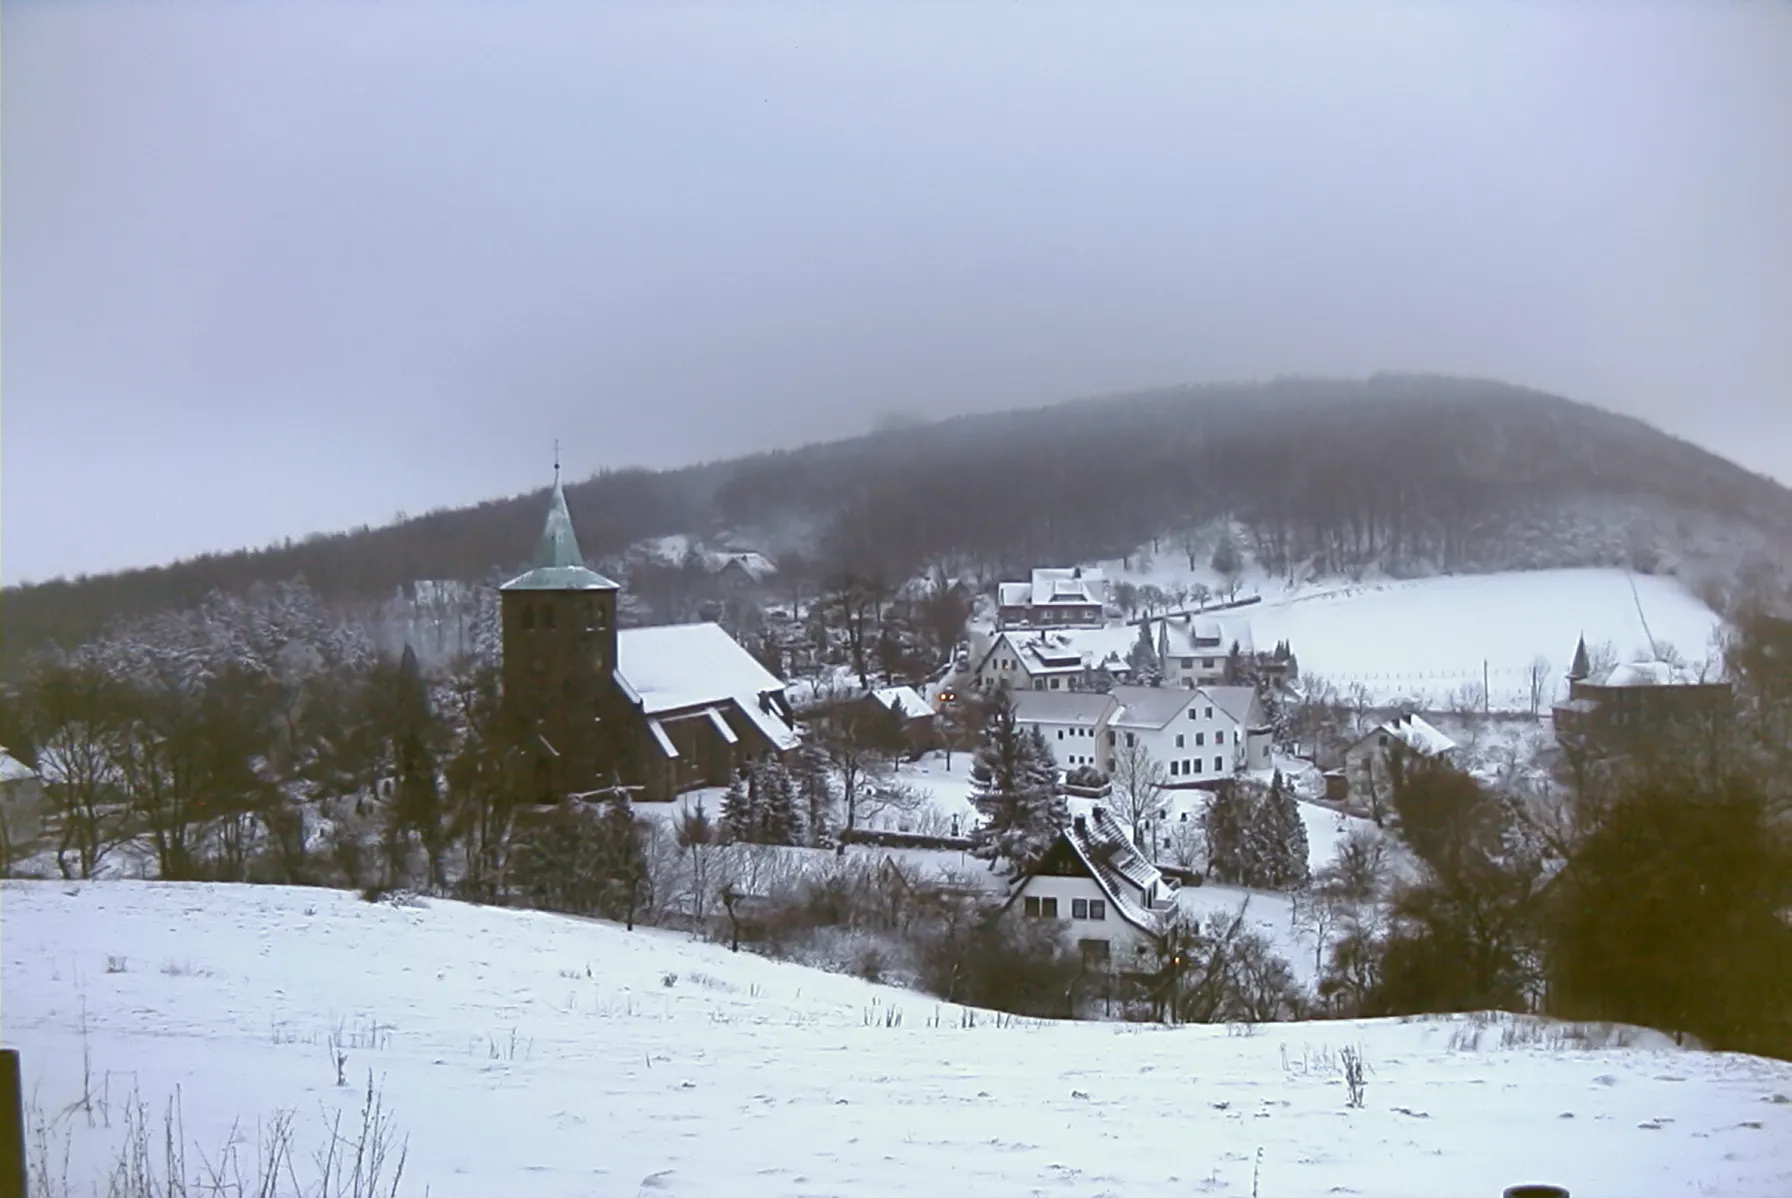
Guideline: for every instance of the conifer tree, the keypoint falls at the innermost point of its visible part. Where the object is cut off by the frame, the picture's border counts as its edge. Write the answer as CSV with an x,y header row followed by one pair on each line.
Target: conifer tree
x,y
739,817
1147,666
778,820
1015,780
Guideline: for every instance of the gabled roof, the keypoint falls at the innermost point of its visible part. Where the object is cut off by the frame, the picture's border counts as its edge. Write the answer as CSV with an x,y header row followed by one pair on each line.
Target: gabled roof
x,y
673,667
558,564
1239,702
1083,708
14,770
1101,844
1149,707
1056,585
1648,673
913,705
1066,651
1414,733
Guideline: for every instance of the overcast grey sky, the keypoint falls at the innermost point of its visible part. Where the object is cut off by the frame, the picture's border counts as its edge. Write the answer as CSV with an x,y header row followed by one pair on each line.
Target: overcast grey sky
x,y
273,268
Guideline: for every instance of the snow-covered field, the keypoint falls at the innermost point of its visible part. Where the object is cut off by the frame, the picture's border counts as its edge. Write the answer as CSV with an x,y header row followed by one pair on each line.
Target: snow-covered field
x,y
1426,638
529,1053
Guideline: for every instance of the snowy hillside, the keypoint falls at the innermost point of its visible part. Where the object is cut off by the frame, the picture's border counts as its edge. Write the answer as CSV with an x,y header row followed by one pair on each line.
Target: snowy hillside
x,y
1425,638
530,1053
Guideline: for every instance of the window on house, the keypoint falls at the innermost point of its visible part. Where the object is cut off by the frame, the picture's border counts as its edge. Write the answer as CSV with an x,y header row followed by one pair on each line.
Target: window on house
x,y
526,618
1210,713
1191,713
1201,739
1033,906
1129,740
1185,768
1038,684
1098,909
1179,740
1218,765
1060,734
1219,738
1079,909
1174,770
1185,817
1207,663
547,617
1055,684
1048,908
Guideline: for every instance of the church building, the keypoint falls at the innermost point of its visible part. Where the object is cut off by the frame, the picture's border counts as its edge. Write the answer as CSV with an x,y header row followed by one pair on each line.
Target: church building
x,y
665,709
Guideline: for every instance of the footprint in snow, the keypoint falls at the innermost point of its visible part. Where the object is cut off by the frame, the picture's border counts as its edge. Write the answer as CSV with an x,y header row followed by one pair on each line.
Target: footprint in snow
x,y
656,1181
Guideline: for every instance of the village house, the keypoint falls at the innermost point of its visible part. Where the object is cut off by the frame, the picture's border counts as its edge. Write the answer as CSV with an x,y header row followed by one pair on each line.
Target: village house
x,y
21,802
1626,705
1112,899
1367,770
1090,659
1194,649
1072,723
663,709
1202,735
1071,597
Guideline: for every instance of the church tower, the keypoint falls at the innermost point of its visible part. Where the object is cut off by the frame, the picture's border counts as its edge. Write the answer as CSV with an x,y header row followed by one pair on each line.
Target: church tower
x,y
559,634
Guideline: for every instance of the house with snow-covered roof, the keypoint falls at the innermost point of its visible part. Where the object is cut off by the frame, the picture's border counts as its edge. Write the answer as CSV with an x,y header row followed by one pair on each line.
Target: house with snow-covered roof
x,y
21,800
1193,648
1072,722
1068,660
662,710
1368,762
1055,597
1110,898
1201,735
1618,708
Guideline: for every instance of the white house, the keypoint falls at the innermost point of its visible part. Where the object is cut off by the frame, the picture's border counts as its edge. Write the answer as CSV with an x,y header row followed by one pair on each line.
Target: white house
x,y
1366,761
21,801
1054,661
1192,648
1055,597
1072,723
1200,734
1111,897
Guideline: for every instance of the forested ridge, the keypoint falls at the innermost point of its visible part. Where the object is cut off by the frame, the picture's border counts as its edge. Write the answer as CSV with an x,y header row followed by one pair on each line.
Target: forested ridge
x,y
1413,474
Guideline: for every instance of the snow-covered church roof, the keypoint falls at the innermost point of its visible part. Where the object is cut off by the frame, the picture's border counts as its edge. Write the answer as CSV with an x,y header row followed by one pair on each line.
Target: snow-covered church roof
x,y
674,667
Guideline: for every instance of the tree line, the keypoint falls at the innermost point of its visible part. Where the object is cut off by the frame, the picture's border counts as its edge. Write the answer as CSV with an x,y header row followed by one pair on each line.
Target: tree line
x,y
1412,473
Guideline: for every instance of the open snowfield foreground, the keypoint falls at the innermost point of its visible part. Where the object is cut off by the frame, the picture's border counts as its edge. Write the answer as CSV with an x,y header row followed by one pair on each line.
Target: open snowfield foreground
x,y
1425,638
524,1053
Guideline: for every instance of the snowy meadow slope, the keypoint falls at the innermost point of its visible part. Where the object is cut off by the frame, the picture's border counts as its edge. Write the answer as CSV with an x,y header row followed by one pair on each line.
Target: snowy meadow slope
x,y
1423,639
528,1053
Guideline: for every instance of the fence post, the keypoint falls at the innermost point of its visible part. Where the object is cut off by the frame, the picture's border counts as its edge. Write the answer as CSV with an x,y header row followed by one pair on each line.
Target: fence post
x,y
12,1126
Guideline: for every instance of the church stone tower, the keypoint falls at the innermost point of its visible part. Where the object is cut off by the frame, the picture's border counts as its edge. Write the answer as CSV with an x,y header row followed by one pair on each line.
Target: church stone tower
x,y
559,632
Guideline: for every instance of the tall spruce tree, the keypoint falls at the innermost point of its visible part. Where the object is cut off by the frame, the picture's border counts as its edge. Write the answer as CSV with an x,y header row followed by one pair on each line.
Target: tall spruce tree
x,y
1015,781
740,815
777,819
1147,666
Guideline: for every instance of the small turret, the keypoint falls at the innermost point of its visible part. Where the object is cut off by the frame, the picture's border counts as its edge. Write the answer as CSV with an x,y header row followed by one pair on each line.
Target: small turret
x,y
1581,667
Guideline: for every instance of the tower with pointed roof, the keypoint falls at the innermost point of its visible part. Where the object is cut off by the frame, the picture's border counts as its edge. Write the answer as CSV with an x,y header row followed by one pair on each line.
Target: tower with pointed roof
x,y
559,634
1581,667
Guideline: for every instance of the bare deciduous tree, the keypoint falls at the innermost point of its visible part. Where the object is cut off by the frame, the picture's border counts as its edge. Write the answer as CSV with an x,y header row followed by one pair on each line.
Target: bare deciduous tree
x,y
1536,677
1138,786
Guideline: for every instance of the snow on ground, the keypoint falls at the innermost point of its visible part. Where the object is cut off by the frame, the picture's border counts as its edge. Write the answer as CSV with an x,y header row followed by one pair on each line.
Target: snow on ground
x,y
522,1052
1425,638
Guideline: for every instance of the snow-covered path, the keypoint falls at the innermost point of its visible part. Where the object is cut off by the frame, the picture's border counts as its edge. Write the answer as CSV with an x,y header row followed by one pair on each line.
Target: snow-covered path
x,y
528,1053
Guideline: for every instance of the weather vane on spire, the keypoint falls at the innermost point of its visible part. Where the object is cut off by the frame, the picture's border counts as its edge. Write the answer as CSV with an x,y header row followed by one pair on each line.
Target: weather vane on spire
x,y
556,461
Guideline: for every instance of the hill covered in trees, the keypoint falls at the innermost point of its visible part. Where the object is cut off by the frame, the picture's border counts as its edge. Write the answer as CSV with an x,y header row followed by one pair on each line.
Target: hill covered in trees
x,y
1410,475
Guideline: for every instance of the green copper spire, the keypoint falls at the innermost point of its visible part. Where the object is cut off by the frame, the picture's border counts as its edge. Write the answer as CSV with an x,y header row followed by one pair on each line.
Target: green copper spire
x,y
559,545
558,564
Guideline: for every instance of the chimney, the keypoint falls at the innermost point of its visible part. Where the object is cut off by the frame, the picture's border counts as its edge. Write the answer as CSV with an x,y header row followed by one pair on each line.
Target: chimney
x,y
1082,826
